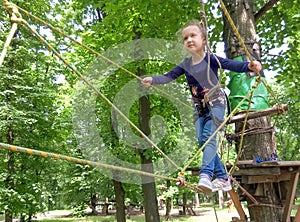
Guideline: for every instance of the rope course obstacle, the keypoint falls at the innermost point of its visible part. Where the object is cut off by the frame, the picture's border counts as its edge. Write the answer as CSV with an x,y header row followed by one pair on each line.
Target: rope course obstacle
x,y
15,9
17,19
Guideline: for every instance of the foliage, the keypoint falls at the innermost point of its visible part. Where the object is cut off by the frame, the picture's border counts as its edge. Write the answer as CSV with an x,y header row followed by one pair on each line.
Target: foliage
x,y
39,117
32,115
283,33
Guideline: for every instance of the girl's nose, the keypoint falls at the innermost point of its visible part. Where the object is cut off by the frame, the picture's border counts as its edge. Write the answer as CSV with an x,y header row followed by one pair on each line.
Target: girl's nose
x,y
189,39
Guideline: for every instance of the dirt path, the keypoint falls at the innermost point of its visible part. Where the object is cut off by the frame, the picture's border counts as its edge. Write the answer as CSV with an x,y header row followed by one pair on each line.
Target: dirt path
x,y
207,215
202,214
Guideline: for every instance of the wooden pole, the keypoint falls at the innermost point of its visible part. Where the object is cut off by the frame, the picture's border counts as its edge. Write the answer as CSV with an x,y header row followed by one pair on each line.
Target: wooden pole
x,y
286,217
255,114
297,216
238,205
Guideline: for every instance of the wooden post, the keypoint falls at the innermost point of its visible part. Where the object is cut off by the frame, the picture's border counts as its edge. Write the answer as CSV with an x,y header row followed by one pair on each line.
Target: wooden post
x,y
238,205
297,216
290,197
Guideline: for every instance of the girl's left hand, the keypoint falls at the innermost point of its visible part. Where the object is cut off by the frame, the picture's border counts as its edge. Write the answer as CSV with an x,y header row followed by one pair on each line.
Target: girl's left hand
x,y
255,66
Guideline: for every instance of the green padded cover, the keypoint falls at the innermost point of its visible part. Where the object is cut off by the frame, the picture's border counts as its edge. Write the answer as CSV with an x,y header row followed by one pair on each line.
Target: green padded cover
x,y
240,84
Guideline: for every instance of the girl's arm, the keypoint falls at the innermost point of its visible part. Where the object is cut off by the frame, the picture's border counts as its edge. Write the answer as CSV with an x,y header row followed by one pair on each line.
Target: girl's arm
x,y
238,66
163,79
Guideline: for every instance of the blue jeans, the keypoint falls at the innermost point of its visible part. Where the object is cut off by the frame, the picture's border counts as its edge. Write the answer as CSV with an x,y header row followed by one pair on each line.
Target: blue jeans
x,y
205,126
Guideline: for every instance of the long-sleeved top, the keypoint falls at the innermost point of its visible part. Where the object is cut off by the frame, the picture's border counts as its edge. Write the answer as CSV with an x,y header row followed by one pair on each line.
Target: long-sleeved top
x,y
197,76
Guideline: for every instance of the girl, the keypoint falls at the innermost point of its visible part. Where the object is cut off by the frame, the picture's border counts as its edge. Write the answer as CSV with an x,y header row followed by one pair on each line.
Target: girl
x,y
201,71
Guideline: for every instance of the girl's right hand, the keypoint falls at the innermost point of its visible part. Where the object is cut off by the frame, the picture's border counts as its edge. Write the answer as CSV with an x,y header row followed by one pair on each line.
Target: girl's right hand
x,y
147,81
255,66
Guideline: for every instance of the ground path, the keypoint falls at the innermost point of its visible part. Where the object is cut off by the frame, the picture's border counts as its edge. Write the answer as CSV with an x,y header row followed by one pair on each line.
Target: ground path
x,y
203,214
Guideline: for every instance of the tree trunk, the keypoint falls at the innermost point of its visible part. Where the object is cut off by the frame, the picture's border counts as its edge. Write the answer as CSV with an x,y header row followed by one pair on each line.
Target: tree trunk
x,y
184,203
254,145
9,181
118,187
149,192
168,202
93,203
120,201
148,183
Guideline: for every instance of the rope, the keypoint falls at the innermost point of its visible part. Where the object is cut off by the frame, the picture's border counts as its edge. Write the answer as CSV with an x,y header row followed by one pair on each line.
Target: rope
x,y
79,161
99,93
18,19
15,18
219,128
203,17
28,14
92,164
22,21
226,13
90,85
250,94
255,202
239,153
255,85
253,131
87,162
209,52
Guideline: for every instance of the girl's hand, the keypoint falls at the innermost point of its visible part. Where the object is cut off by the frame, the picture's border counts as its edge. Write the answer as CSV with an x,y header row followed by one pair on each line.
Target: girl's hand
x,y
147,81
255,66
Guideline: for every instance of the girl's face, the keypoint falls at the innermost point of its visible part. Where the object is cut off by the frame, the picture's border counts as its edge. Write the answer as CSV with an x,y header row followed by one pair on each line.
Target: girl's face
x,y
193,39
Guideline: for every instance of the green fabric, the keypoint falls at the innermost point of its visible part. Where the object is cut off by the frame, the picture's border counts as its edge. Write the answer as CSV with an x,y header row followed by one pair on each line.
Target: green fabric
x,y
240,85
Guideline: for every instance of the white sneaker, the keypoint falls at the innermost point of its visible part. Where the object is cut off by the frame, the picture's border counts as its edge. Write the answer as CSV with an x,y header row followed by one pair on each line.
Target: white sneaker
x,y
221,184
205,185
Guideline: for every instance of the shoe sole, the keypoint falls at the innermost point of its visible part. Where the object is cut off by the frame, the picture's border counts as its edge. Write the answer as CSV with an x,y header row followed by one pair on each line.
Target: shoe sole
x,y
205,189
225,190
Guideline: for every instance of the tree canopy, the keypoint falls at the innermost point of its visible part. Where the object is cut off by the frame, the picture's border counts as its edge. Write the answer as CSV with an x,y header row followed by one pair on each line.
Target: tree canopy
x,y
38,92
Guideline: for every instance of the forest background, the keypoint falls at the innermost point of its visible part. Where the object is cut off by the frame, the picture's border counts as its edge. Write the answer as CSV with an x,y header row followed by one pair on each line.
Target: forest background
x,y
38,93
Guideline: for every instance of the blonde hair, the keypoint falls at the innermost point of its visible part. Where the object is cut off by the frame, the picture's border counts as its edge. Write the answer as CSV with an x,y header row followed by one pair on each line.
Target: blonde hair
x,y
196,23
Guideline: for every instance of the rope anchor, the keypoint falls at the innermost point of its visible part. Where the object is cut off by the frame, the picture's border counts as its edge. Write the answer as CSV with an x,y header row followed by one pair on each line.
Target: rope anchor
x,y
16,18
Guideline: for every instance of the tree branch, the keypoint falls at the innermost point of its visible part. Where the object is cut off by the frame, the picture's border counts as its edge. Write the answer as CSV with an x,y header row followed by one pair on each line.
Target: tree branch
x,y
264,9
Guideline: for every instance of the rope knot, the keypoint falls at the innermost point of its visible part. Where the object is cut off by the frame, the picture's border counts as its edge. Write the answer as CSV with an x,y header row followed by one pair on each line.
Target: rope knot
x,y
6,3
255,85
236,168
14,12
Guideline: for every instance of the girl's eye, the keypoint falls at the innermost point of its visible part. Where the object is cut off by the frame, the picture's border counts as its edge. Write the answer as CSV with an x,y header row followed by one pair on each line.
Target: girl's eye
x,y
190,35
